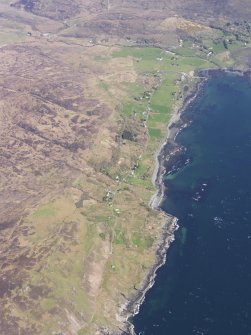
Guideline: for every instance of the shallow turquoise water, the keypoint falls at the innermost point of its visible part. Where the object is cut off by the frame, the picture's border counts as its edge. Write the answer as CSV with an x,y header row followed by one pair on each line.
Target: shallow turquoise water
x,y
205,286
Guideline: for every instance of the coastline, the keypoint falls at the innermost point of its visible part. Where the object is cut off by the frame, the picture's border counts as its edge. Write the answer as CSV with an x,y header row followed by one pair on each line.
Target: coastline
x,y
170,223
181,185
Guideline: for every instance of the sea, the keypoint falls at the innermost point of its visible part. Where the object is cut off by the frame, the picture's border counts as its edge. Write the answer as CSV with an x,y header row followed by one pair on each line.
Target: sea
x,y
205,285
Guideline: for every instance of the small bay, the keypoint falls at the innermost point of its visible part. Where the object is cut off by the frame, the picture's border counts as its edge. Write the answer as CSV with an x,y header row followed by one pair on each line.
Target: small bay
x,y
205,285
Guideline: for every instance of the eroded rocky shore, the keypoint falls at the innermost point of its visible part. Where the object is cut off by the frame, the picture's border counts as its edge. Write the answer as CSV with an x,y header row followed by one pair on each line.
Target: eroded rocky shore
x,y
163,160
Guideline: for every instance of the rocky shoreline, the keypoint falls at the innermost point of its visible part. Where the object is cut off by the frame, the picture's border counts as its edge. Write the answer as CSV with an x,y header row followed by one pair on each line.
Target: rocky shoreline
x,y
167,150
163,156
170,223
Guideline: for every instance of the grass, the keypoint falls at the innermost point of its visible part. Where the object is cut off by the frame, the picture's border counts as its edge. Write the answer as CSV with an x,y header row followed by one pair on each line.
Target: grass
x,y
45,212
149,66
100,58
218,47
141,176
159,117
155,133
185,51
12,37
163,107
91,236
47,304
140,53
79,182
133,89
138,181
119,237
64,276
195,62
104,85
142,170
132,108
137,99
163,97
141,241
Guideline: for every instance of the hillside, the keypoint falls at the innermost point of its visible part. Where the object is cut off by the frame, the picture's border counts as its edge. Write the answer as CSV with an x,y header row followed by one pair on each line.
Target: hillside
x,y
87,91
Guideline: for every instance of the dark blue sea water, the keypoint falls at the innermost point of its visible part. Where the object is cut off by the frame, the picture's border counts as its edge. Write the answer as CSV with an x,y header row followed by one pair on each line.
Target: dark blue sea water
x,y
205,286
